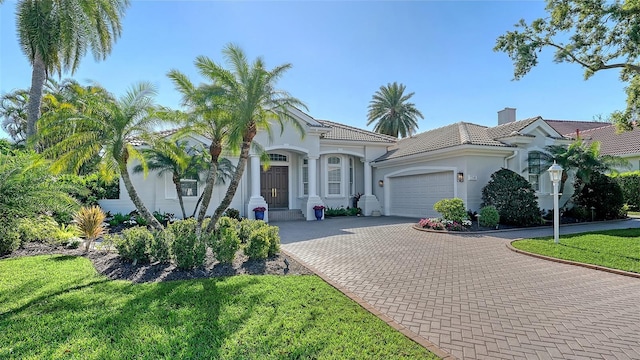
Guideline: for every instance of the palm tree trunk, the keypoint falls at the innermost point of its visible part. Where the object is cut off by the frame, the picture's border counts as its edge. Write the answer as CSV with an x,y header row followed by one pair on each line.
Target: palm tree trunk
x,y
176,182
137,202
38,77
233,186
215,149
195,209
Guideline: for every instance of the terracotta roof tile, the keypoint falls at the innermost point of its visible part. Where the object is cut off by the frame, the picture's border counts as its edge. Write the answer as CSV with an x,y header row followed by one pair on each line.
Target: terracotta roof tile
x,y
569,127
344,132
447,136
512,128
612,143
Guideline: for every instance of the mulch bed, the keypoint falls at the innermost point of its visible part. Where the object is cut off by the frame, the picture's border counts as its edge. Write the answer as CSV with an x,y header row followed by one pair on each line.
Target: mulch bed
x,y
114,267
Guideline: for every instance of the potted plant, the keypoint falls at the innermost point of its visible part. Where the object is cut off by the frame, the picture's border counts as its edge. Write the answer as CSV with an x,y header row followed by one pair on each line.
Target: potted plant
x,y
318,210
259,212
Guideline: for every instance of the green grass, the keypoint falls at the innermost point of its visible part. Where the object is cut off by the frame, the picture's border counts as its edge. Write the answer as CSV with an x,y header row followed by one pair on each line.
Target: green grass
x,y
616,249
59,307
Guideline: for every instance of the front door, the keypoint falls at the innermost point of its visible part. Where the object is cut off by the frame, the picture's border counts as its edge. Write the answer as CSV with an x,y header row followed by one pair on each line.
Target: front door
x,y
274,186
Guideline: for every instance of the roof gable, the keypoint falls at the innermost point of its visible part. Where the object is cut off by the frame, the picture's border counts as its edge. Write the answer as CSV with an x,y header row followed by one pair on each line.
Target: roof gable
x,y
349,133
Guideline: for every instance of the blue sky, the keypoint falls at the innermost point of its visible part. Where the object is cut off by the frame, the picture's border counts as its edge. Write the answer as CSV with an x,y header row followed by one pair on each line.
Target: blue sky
x,y
342,52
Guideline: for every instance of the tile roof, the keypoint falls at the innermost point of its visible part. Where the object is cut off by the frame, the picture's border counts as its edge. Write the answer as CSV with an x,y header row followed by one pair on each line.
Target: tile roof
x,y
136,141
447,136
569,127
344,132
512,128
612,143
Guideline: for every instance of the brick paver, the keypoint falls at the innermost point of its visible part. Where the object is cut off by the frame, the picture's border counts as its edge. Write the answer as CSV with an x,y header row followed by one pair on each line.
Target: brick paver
x,y
470,295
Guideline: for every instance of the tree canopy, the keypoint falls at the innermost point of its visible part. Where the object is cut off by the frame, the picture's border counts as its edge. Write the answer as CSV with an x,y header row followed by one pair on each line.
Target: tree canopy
x,y
595,34
392,113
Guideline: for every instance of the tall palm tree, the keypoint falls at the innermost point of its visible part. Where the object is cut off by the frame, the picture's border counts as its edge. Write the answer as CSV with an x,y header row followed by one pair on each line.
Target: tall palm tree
x,y
105,127
207,116
392,113
253,103
56,34
176,158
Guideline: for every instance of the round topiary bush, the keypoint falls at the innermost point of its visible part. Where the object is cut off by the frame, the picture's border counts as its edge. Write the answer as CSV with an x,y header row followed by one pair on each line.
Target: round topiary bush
x,y
602,193
451,209
513,197
489,216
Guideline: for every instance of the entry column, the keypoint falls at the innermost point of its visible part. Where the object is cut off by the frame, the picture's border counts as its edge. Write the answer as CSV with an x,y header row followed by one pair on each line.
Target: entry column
x,y
256,199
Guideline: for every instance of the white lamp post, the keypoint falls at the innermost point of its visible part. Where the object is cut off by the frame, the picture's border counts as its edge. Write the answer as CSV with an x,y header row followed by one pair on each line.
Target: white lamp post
x,y
555,173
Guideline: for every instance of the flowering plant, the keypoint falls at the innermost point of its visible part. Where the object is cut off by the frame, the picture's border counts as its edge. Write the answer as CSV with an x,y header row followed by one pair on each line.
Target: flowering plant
x,y
260,208
440,224
318,207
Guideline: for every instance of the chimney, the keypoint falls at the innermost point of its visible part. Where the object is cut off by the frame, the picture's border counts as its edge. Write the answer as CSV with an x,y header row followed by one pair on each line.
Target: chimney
x,y
506,116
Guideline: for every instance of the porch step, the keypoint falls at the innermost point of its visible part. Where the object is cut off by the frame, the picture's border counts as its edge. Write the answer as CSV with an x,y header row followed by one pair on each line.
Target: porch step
x,y
286,215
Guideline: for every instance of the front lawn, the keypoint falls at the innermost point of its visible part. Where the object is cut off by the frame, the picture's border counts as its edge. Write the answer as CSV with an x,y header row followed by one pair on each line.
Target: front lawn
x,y
59,307
616,249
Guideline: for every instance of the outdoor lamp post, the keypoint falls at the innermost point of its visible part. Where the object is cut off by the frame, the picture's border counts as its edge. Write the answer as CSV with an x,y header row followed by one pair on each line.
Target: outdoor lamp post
x,y
555,173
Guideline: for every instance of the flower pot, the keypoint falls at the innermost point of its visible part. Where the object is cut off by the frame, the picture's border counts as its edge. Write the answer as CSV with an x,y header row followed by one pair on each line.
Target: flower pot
x,y
259,215
318,214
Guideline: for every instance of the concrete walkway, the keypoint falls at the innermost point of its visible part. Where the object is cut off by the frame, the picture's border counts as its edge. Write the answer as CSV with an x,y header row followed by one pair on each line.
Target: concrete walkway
x,y
470,295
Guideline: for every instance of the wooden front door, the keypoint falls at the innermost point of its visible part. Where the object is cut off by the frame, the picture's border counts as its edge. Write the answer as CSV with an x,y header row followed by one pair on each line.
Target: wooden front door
x,y
274,186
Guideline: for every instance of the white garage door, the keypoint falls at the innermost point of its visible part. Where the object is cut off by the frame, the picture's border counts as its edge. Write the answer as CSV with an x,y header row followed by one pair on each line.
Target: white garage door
x,y
414,195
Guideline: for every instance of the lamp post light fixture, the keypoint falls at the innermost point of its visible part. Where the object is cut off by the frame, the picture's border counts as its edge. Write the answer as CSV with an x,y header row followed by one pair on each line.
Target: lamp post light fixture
x,y
555,173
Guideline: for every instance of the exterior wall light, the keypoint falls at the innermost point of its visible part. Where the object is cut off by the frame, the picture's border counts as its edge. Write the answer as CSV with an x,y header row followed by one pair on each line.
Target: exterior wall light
x,y
381,183
460,177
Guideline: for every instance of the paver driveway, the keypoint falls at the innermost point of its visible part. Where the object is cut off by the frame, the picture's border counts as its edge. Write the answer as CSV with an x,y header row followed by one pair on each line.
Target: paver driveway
x,y
470,295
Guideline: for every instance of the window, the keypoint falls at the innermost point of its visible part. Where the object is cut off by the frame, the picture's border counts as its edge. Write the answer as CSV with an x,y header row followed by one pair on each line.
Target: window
x,y
189,187
534,169
334,176
305,177
352,176
277,157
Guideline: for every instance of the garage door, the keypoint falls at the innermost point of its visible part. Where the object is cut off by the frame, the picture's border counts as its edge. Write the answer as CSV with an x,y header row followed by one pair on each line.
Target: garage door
x,y
414,195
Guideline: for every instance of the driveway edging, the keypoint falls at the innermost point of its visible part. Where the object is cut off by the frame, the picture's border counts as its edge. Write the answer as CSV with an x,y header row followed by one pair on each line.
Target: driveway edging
x,y
569,262
406,332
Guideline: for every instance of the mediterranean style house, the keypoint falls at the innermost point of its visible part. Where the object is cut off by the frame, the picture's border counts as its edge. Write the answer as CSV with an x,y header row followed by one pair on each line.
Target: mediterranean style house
x,y
334,162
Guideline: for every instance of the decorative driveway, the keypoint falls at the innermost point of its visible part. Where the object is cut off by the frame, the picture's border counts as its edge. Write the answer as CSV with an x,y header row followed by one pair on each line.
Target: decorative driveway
x,y
470,295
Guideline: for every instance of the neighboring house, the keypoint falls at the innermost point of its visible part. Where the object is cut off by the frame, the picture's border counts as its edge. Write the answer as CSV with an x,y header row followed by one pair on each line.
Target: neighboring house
x,y
405,177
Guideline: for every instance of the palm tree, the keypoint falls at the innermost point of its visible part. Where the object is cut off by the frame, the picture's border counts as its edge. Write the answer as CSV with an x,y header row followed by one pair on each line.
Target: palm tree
x,y
583,158
206,116
105,127
393,114
253,103
56,34
13,111
176,158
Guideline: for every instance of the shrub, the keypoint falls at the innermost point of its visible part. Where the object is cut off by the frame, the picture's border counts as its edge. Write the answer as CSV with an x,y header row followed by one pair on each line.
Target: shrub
x,y
577,212
274,240
118,219
439,224
232,213
66,234
159,247
513,197
163,218
90,223
133,244
9,237
451,209
226,222
248,226
39,229
258,246
630,185
227,245
489,216
187,249
602,193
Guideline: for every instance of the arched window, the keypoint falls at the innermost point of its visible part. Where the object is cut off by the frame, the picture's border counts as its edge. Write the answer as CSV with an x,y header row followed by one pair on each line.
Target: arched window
x,y
278,157
334,176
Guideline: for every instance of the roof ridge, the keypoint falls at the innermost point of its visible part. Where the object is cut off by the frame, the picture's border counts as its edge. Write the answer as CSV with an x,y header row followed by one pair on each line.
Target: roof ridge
x,y
532,119
598,128
465,138
373,133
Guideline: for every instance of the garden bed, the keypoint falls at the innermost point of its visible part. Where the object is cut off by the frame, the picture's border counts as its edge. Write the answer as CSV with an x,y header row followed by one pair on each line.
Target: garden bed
x,y
114,267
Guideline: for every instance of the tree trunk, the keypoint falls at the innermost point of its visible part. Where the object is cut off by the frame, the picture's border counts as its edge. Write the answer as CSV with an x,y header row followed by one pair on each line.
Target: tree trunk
x,y
195,209
137,202
38,77
176,182
214,149
233,186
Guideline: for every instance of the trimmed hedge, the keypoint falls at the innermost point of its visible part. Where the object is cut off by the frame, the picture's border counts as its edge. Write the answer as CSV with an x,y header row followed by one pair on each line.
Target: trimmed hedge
x,y
451,209
602,193
630,185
